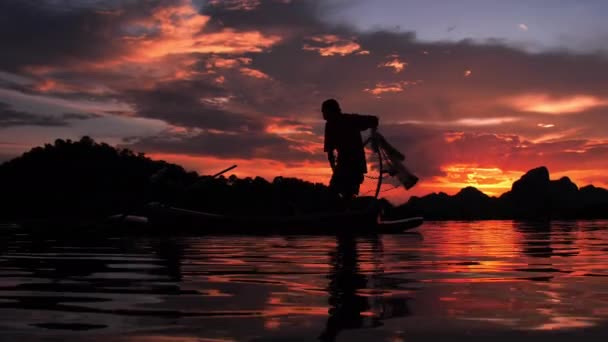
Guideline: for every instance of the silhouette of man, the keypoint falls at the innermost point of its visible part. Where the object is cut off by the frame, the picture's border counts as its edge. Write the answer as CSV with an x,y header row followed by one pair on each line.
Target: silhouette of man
x,y
343,135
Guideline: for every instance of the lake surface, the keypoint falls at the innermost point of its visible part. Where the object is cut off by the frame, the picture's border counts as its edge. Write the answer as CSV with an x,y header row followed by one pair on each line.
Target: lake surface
x,y
467,280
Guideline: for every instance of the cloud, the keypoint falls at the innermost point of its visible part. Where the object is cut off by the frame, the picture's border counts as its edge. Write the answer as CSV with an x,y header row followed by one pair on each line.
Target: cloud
x,y
466,122
381,88
191,104
332,45
10,117
226,63
543,103
235,5
394,63
282,126
79,116
288,17
254,73
391,87
244,145
39,35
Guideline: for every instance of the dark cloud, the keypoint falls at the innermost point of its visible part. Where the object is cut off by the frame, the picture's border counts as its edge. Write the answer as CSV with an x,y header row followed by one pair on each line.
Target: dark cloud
x,y
69,33
181,103
286,16
79,116
10,117
41,35
244,145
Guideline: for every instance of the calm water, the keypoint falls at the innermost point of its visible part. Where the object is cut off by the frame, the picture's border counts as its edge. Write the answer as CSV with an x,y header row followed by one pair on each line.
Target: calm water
x,y
472,280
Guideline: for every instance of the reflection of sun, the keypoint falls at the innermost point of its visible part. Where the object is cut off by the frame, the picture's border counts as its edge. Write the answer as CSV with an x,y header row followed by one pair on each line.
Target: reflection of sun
x,y
495,243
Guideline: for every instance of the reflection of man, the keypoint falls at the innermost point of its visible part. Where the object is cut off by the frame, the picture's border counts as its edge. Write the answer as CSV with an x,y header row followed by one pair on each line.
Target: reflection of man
x,y
345,281
343,134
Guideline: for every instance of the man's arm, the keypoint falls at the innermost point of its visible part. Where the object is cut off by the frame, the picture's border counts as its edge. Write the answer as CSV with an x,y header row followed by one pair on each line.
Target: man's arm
x,y
364,122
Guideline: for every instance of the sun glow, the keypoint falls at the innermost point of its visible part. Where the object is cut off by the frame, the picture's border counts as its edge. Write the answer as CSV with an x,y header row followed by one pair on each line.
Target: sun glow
x,y
545,104
490,180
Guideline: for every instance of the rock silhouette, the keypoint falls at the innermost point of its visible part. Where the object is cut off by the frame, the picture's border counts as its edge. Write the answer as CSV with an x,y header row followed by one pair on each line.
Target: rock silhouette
x,y
534,196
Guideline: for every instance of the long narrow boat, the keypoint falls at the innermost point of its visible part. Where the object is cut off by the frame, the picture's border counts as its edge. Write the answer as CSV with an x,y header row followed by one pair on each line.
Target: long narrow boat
x,y
363,221
166,220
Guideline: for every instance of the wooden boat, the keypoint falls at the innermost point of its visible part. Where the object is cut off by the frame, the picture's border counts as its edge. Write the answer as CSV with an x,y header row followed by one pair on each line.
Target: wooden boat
x,y
171,219
364,215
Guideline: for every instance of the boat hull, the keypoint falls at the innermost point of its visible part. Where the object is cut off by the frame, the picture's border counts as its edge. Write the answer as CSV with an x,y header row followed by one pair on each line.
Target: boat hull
x,y
171,219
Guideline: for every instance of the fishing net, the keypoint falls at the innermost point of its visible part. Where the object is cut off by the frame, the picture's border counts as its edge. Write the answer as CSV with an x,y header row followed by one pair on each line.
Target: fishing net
x,y
386,166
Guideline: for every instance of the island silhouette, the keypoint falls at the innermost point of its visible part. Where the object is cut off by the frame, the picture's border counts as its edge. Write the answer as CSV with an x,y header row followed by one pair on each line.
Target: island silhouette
x,y
86,180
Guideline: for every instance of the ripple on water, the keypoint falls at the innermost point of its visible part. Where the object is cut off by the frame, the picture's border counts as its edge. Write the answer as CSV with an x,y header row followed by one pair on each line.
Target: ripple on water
x,y
496,276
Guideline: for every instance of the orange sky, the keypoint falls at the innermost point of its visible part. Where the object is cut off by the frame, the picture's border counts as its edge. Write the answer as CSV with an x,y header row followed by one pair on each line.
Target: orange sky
x,y
241,82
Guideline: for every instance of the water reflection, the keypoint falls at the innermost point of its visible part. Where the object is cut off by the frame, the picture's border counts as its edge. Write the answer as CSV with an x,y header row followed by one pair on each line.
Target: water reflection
x,y
358,300
96,277
539,237
536,241
345,280
527,279
171,252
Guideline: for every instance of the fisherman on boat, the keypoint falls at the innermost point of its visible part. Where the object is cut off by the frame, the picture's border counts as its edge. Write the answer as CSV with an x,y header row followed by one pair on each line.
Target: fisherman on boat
x,y
343,135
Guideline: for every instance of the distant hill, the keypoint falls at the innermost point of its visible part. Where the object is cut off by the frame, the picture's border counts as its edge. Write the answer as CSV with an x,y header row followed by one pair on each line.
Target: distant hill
x,y
86,179
533,196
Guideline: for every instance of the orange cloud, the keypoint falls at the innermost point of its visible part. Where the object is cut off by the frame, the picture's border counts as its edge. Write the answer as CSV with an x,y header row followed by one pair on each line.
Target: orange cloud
x,y
450,137
333,45
389,87
474,122
163,51
178,29
49,85
395,63
381,88
254,73
286,127
45,85
300,135
545,104
227,63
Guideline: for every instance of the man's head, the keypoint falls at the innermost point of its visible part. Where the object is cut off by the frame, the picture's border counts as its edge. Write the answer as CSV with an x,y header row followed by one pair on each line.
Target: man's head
x,y
330,109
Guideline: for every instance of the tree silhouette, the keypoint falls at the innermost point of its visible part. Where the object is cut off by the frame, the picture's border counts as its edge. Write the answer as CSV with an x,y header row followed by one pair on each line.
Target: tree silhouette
x,y
89,180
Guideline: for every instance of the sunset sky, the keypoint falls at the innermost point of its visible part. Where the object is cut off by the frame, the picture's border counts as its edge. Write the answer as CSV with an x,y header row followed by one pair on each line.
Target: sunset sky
x,y
474,92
